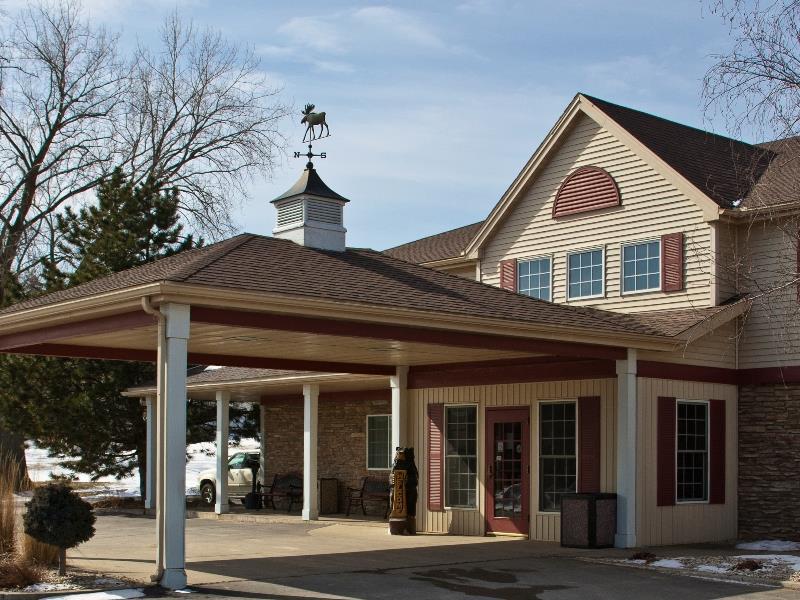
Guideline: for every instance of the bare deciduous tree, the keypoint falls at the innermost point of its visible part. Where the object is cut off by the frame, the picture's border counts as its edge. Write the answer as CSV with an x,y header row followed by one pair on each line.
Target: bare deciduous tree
x,y
60,96
755,88
757,83
200,117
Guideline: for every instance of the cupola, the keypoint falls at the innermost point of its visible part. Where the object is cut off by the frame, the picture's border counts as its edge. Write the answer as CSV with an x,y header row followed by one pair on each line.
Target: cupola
x,y
311,214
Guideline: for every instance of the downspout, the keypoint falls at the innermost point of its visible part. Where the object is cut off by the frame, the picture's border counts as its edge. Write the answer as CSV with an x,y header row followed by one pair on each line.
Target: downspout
x,y
159,432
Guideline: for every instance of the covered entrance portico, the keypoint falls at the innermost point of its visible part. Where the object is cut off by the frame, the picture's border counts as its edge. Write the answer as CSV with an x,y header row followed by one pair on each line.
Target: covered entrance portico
x,y
259,302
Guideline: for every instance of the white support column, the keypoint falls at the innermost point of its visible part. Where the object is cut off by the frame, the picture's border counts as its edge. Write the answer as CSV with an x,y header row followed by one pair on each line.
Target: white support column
x,y
626,451
161,382
150,460
174,357
223,425
310,418
262,467
399,385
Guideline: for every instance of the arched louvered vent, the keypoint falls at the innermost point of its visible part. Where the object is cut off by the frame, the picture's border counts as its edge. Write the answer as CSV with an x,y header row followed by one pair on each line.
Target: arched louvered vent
x,y
290,212
585,189
324,212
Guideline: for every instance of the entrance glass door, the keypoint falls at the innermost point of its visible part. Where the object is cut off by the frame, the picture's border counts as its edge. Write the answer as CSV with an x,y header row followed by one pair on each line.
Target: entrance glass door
x,y
507,475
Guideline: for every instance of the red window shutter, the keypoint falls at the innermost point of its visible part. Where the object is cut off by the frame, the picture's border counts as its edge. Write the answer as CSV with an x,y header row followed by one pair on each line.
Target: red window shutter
x,y
716,459
508,274
435,456
589,453
672,262
666,451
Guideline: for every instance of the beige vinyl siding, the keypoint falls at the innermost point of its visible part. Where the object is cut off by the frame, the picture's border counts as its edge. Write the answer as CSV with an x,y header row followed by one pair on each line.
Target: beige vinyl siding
x,y
715,349
651,206
544,526
771,330
682,523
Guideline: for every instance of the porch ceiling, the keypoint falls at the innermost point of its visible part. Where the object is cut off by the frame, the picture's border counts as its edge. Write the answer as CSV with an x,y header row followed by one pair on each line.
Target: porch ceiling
x,y
292,345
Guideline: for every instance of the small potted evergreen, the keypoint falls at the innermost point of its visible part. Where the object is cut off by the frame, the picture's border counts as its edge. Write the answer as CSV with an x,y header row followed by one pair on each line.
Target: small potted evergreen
x,y
57,516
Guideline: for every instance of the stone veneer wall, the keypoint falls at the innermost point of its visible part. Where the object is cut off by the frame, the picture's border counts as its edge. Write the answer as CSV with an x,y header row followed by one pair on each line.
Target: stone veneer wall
x,y
342,451
769,461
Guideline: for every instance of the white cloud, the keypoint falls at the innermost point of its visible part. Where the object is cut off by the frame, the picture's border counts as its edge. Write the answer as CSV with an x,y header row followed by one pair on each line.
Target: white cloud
x,y
313,33
390,21
483,7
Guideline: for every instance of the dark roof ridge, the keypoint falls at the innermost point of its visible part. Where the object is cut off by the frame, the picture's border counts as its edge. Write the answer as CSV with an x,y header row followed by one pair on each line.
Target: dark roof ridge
x,y
671,121
433,235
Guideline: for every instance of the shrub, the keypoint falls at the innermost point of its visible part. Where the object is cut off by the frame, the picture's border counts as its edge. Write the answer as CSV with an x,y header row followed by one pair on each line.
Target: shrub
x,y
35,552
16,573
9,483
57,516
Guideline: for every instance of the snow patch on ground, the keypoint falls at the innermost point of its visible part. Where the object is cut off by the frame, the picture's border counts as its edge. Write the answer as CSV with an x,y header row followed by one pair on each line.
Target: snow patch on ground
x,y
47,587
668,563
115,595
712,569
202,456
789,559
770,545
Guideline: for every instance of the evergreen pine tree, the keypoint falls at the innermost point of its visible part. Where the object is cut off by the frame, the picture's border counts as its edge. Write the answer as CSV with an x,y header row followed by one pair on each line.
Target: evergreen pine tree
x,y
75,407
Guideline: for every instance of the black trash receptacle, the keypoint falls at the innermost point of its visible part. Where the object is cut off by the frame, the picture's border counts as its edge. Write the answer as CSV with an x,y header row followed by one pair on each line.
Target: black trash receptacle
x,y
588,520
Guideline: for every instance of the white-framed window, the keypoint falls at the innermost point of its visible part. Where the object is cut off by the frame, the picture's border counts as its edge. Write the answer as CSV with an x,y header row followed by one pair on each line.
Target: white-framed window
x,y
585,274
534,277
379,442
691,470
641,267
461,456
558,453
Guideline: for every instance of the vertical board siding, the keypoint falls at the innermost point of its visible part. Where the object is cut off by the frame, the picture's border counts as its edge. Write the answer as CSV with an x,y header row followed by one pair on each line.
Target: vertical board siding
x,y
768,259
682,523
651,207
544,526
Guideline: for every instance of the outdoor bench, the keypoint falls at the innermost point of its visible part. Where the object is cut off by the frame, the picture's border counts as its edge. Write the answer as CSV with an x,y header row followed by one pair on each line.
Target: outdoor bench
x,y
288,486
373,489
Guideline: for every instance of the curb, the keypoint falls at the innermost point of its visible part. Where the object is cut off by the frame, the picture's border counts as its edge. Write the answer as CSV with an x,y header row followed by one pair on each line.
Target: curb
x,y
773,583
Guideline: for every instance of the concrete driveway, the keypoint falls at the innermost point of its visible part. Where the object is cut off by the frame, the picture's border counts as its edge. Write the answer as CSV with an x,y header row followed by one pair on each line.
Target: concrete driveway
x,y
347,561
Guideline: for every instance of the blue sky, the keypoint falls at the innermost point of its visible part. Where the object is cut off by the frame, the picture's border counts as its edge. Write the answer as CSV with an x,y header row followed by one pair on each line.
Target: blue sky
x,y
435,106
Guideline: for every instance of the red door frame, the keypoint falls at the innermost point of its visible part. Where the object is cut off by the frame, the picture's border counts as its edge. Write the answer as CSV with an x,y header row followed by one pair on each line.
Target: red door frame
x,y
504,415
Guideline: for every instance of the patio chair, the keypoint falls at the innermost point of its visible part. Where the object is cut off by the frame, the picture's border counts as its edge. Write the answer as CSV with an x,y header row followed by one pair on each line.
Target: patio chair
x,y
288,486
372,489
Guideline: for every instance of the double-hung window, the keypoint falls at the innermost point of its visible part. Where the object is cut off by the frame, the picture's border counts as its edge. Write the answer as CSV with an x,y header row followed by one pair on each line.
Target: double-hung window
x,y
379,442
557,453
585,274
692,448
461,457
534,276
641,267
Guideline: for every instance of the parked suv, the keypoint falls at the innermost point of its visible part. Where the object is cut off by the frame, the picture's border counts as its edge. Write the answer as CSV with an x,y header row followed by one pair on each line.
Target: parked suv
x,y
240,478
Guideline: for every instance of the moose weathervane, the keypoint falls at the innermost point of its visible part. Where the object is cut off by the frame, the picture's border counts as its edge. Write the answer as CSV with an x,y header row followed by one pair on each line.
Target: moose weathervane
x,y
311,119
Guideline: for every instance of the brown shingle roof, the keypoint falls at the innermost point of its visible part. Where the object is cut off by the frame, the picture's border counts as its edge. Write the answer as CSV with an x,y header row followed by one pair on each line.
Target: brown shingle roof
x,y
255,263
240,374
722,168
780,182
448,244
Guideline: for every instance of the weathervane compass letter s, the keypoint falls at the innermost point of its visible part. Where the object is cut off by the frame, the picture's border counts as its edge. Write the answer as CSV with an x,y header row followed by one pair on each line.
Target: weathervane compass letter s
x,y
312,119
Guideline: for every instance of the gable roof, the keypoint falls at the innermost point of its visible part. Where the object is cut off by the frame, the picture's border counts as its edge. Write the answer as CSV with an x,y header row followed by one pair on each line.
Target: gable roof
x,y
266,265
441,246
715,171
721,167
780,181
